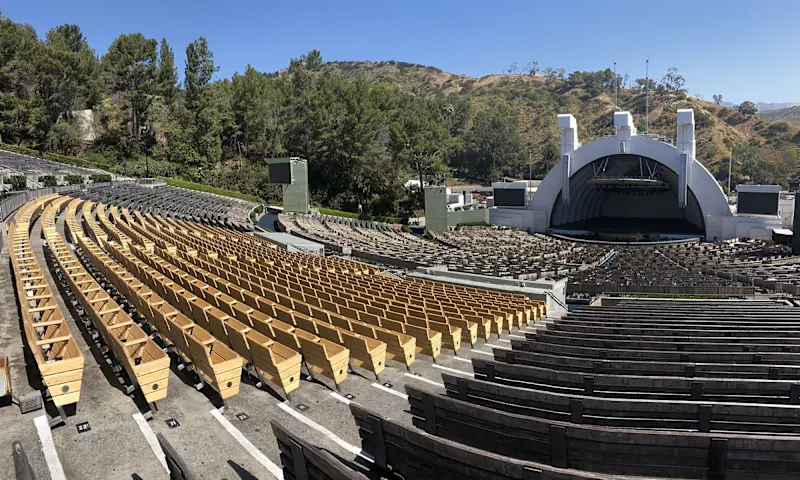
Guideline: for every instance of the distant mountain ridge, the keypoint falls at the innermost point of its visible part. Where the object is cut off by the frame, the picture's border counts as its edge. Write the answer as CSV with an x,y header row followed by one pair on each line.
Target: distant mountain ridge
x,y
763,106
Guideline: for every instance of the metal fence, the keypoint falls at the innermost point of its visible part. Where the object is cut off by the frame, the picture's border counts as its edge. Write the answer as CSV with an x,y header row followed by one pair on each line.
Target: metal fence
x,y
12,203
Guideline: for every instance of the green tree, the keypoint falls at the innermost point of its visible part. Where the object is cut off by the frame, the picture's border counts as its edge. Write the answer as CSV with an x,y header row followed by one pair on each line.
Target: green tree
x,y
717,98
493,145
198,72
64,137
21,107
131,66
747,108
167,76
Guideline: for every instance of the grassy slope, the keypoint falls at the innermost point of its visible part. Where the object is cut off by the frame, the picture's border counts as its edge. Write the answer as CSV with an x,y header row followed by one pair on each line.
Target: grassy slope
x,y
790,115
536,102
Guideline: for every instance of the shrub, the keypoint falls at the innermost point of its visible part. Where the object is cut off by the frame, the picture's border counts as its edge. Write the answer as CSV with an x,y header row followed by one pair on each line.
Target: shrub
x,y
17,182
208,189
47,181
100,177
339,213
73,179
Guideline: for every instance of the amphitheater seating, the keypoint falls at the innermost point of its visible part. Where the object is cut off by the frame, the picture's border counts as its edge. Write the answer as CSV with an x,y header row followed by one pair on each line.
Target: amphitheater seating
x,y
594,409
213,361
485,251
145,363
47,334
304,461
17,164
178,203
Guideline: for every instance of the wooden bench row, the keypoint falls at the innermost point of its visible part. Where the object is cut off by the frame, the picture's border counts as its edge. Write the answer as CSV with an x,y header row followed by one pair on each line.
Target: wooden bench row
x,y
47,335
412,454
647,368
145,363
639,453
773,344
302,461
684,415
630,386
212,360
732,357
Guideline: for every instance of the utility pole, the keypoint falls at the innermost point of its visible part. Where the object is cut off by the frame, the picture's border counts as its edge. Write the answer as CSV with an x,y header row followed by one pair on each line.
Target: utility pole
x,y
730,165
530,166
616,87
647,96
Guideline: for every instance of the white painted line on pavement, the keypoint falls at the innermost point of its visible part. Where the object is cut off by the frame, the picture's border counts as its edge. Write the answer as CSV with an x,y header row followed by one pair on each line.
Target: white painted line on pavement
x,y
462,359
340,398
49,448
423,379
316,426
517,336
274,469
501,340
150,436
389,390
501,347
491,354
453,370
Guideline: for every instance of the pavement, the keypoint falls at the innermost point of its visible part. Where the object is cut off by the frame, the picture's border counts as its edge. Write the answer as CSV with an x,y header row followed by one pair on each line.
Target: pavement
x,y
236,444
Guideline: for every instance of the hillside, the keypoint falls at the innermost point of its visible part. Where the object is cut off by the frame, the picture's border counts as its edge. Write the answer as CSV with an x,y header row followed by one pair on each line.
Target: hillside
x,y
536,100
789,115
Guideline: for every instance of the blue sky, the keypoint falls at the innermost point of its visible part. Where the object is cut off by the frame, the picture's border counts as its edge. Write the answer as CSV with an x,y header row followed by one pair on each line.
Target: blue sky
x,y
745,50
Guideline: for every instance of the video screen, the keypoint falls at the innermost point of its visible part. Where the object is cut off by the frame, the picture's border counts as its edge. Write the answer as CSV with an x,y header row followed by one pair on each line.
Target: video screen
x,y
758,203
280,173
507,197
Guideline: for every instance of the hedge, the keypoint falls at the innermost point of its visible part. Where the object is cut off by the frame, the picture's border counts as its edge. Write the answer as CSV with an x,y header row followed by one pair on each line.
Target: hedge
x,y
208,189
339,213
48,180
73,179
17,182
100,177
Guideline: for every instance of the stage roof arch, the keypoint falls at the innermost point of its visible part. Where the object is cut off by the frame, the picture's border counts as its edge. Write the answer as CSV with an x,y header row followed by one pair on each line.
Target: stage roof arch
x,y
630,176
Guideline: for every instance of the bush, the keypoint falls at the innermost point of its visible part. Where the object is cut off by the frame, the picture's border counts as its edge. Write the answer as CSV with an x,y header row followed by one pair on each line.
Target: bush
x,y
205,188
17,182
339,213
47,181
100,177
73,179
474,224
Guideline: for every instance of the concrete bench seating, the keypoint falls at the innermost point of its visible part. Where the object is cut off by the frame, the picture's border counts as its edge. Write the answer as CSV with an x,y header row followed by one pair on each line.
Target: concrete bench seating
x,y
145,363
630,386
47,335
684,415
603,449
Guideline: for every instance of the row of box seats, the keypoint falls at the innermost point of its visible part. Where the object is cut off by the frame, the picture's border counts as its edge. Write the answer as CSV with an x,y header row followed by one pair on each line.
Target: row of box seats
x,y
48,337
334,312
177,203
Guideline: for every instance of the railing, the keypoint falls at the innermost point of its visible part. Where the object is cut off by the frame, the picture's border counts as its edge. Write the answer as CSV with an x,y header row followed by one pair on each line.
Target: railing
x,y
12,203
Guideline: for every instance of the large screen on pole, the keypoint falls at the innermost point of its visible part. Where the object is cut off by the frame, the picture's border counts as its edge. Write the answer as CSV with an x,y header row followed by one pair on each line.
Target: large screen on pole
x,y
280,173
509,197
758,203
